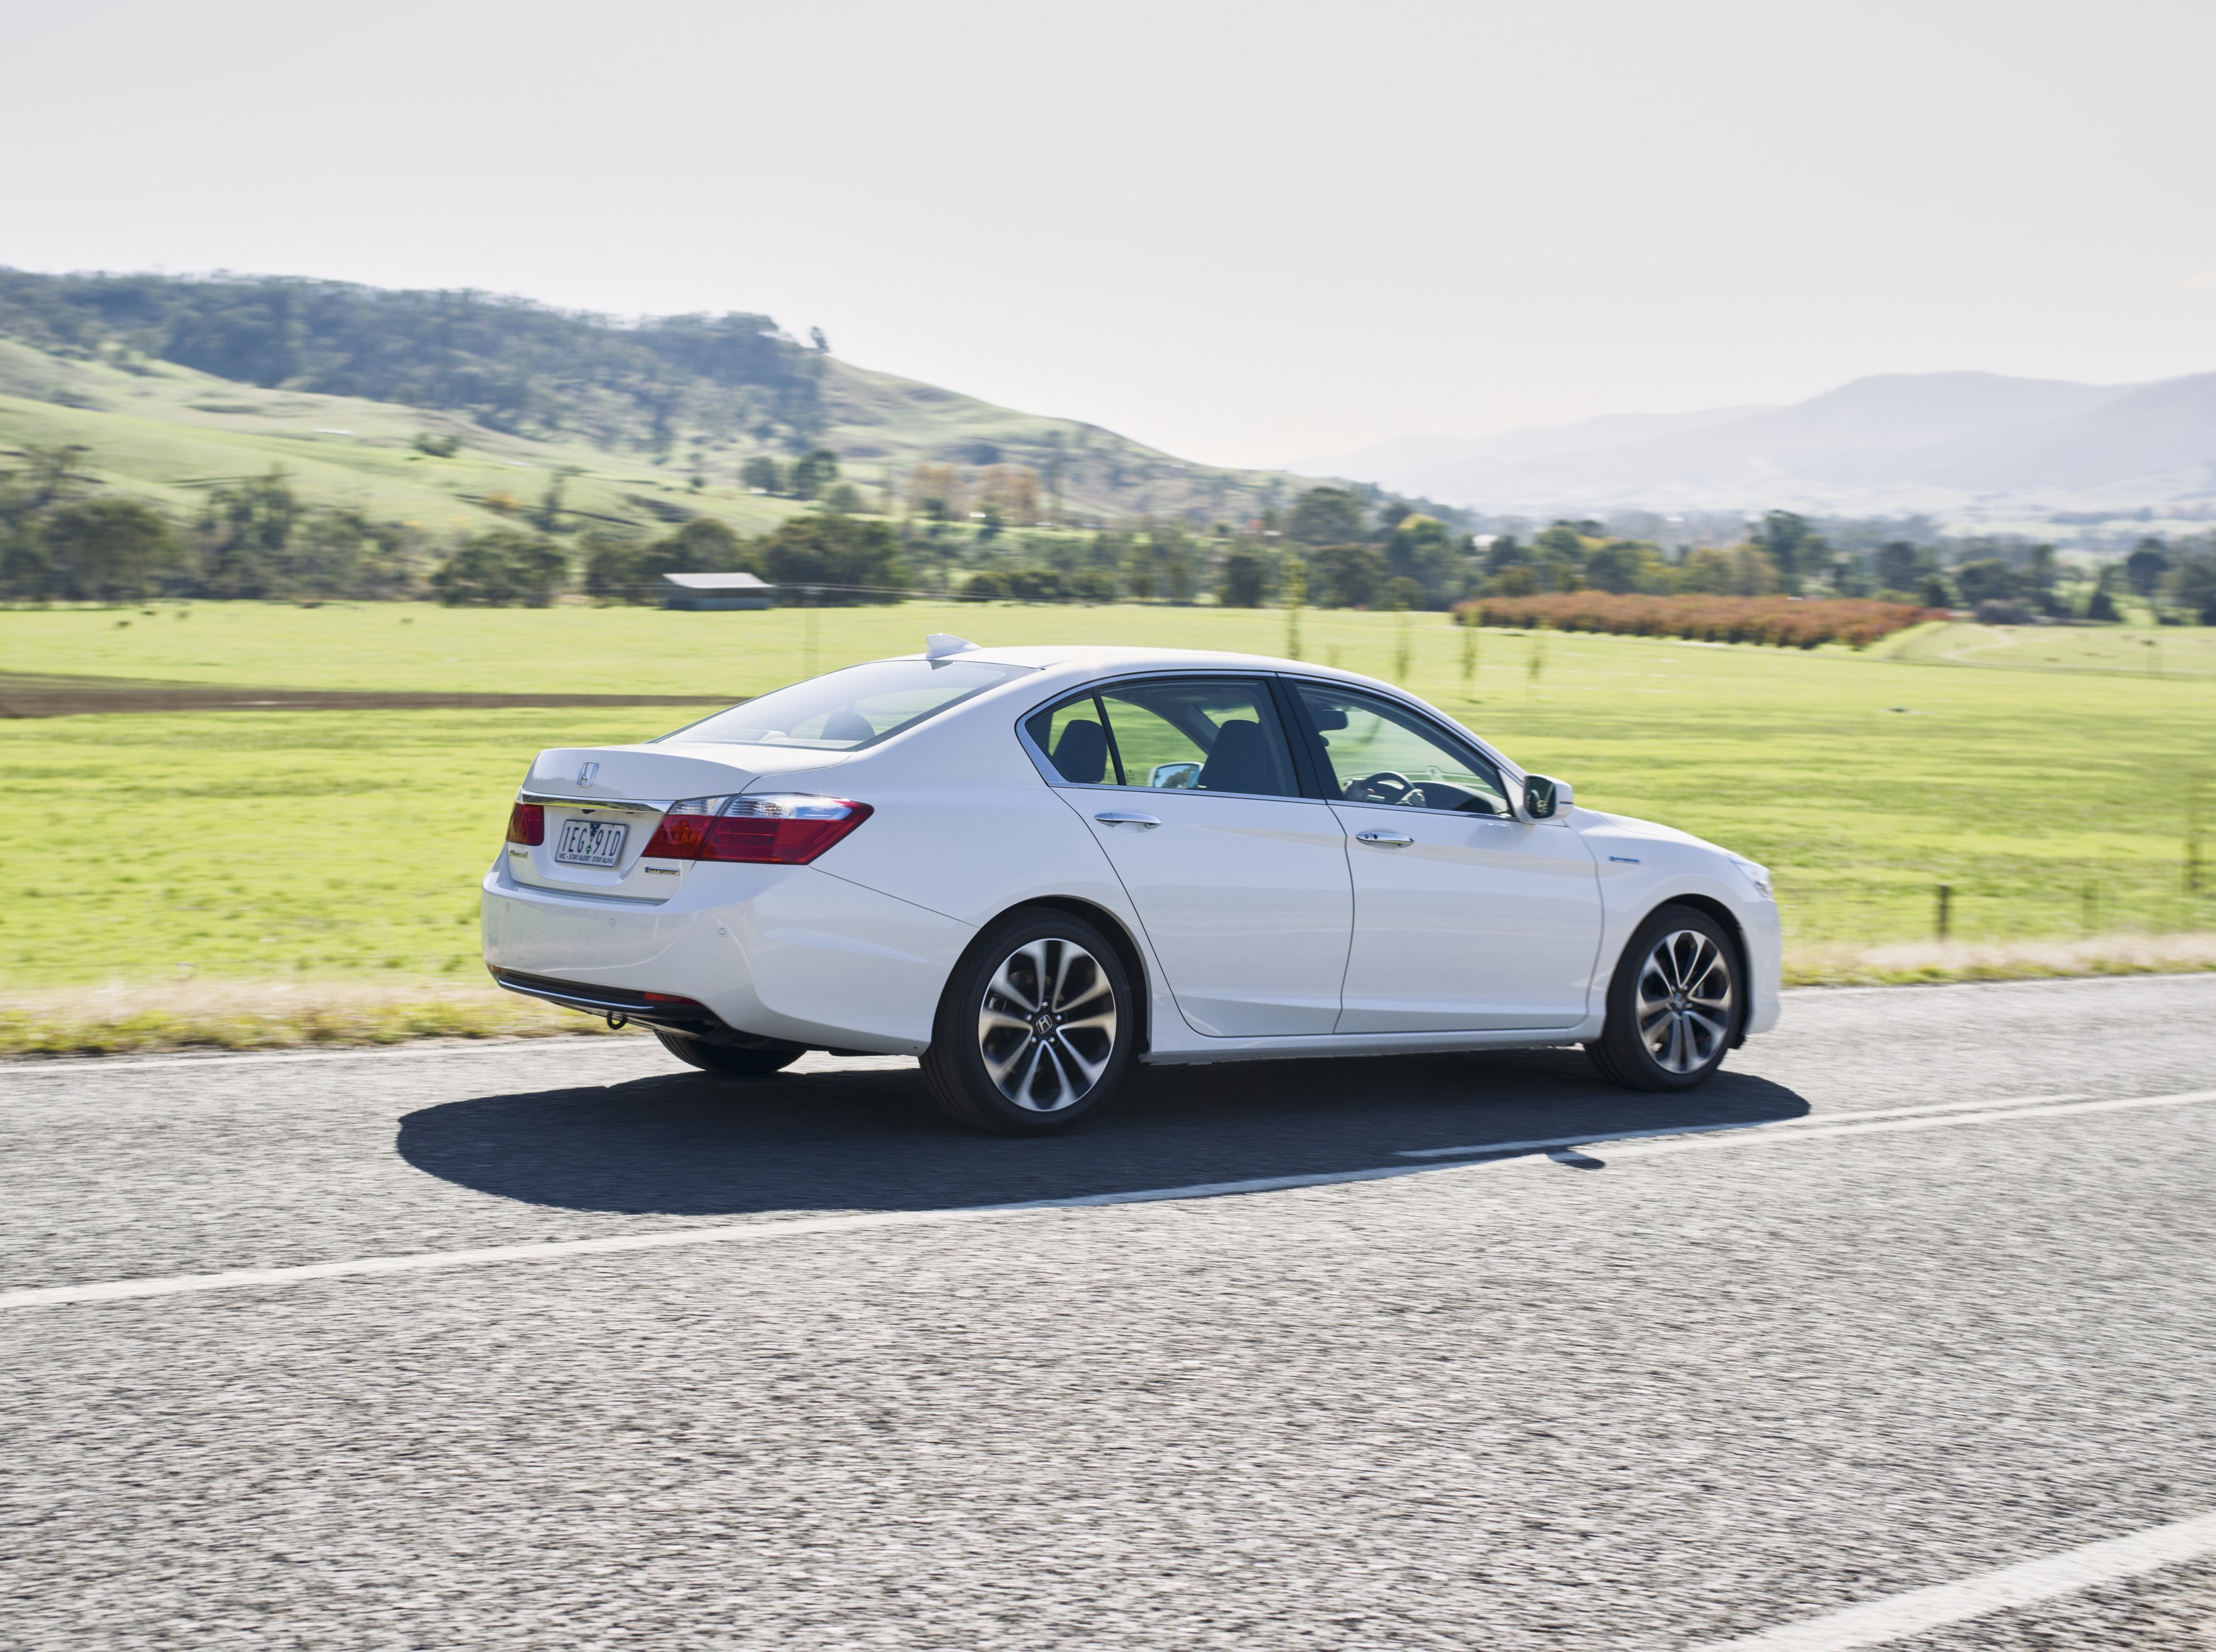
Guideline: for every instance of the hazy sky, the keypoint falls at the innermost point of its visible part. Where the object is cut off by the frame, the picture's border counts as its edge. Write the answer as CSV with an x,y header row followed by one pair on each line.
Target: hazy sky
x,y
1248,233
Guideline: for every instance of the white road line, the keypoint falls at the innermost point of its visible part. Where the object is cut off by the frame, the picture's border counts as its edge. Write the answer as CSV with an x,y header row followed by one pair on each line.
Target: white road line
x,y
2183,1098
739,1233
752,1232
1590,1138
1902,1615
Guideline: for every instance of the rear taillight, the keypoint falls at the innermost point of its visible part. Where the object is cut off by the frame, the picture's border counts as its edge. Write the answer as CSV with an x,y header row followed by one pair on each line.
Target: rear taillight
x,y
782,828
683,830
527,824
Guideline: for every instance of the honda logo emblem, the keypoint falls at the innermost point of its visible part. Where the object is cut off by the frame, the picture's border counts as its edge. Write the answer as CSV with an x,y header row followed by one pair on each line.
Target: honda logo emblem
x,y
585,775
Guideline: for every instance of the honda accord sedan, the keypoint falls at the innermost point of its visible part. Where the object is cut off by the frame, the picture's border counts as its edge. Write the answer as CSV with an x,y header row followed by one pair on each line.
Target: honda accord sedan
x,y
1033,866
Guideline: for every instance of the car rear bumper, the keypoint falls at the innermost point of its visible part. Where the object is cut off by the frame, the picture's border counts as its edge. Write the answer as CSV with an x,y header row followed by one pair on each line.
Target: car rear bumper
x,y
787,953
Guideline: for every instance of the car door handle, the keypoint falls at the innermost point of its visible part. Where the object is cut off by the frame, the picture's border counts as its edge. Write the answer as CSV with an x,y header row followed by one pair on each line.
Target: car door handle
x,y
1389,840
1121,818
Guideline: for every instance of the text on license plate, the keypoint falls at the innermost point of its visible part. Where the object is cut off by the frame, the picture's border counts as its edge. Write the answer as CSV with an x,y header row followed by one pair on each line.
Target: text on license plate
x,y
590,842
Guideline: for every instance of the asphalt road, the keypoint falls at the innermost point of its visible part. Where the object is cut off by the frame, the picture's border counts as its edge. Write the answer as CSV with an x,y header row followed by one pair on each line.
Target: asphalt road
x,y
1651,1396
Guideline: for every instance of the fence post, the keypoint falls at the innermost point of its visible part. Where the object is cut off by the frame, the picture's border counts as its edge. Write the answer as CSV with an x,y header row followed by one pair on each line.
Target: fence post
x,y
1945,905
2193,835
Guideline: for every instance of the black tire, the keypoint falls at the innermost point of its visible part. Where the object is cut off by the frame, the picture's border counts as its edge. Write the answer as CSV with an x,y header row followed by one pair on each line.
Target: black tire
x,y
726,1061
1010,1055
1675,1005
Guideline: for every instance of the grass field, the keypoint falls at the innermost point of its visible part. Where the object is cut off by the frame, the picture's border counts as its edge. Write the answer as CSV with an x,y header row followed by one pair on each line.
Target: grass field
x,y
2125,650
316,845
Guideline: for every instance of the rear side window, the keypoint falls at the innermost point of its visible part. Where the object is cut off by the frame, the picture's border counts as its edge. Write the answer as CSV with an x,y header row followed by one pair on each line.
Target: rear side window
x,y
847,710
1181,734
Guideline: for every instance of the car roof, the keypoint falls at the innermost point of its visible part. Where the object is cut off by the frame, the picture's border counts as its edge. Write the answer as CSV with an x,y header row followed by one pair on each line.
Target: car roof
x,y
1086,659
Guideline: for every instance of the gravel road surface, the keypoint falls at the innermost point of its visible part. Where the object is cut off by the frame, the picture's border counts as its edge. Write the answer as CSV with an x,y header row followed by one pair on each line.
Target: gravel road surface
x,y
1652,1395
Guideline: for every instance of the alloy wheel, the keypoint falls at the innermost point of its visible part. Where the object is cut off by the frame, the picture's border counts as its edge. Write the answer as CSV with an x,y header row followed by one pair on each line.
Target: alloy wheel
x,y
1047,1027
1683,1001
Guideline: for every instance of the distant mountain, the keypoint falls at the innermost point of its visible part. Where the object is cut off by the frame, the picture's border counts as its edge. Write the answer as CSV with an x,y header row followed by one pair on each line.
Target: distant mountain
x,y
1441,466
1947,442
676,396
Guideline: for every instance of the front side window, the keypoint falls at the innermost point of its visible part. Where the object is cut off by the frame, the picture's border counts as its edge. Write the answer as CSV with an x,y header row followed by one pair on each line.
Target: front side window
x,y
847,710
1377,752
1190,734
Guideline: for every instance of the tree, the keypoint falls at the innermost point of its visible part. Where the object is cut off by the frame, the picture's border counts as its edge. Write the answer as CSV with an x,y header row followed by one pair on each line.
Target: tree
x,y
246,538
1325,516
107,549
762,472
1743,570
1420,548
935,492
501,569
1558,557
341,553
833,559
2102,607
2146,565
1505,553
2193,585
812,472
1623,565
1174,555
1988,579
1246,582
1014,491
1346,575
1796,550
1901,565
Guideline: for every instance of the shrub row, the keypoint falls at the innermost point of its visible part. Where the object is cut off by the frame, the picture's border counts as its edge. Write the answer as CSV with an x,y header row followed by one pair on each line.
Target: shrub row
x,y
1783,622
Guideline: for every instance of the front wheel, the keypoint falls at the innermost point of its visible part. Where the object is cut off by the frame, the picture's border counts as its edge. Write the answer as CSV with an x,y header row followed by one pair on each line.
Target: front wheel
x,y
1036,1027
1674,1006
728,1060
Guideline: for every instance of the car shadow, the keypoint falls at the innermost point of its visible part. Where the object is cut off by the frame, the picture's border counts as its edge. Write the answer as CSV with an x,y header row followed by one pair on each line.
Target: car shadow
x,y
690,1145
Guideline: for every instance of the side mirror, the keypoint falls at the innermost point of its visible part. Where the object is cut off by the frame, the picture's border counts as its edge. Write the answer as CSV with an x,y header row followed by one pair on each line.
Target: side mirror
x,y
1544,798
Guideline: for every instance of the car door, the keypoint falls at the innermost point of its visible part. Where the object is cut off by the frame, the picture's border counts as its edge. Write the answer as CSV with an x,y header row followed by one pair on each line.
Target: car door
x,y
1466,918
1241,883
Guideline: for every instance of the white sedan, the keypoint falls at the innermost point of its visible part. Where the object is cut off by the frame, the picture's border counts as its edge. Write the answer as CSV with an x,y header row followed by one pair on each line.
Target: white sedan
x,y
1032,867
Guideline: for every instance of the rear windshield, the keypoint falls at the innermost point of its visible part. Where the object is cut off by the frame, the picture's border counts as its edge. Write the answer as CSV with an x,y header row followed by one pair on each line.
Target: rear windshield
x,y
853,708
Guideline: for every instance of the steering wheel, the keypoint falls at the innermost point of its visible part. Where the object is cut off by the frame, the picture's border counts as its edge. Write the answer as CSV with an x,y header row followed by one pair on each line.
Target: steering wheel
x,y
1386,786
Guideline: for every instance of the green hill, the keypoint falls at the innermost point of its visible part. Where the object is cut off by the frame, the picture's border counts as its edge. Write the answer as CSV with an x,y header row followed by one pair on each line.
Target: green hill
x,y
176,384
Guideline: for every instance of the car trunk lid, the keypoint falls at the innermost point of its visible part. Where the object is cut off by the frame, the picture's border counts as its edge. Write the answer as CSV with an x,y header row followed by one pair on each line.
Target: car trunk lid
x,y
595,809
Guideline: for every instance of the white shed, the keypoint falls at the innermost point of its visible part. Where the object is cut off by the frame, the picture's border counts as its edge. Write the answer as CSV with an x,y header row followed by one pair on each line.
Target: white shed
x,y
716,591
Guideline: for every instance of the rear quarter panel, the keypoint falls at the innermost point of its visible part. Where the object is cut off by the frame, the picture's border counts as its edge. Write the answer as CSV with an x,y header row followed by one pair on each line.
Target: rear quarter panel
x,y
965,826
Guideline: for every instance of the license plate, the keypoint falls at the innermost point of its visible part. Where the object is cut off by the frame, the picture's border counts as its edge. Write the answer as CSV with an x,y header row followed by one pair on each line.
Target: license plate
x,y
590,844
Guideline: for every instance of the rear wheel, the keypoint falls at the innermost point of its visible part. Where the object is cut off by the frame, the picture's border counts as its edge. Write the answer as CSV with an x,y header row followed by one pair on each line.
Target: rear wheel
x,y
1674,1007
1036,1027
728,1060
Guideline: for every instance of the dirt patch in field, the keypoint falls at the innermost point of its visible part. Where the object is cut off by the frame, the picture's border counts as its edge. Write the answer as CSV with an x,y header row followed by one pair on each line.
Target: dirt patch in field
x,y
24,694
